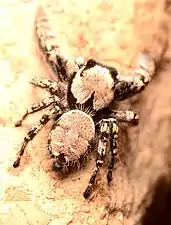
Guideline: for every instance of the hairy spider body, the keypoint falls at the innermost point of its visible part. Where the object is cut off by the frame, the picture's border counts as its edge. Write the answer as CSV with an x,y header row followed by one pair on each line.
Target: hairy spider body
x,y
90,87
70,138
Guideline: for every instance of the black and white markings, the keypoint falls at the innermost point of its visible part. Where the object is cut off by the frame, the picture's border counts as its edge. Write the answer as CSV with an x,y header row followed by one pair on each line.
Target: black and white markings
x,y
94,78
107,138
129,85
34,130
38,106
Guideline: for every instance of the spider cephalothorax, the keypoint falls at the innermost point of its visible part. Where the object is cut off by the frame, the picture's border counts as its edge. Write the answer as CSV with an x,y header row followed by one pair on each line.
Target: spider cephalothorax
x,y
94,78
75,108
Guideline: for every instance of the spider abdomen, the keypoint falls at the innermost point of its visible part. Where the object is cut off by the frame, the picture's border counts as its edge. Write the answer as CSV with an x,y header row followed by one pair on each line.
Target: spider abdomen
x,y
70,138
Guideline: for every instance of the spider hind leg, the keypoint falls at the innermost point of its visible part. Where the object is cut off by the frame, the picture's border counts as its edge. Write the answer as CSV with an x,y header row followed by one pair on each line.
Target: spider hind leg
x,y
113,150
108,132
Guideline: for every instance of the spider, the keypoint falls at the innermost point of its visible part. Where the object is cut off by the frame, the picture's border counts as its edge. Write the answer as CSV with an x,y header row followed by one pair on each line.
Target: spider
x,y
81,110
80,100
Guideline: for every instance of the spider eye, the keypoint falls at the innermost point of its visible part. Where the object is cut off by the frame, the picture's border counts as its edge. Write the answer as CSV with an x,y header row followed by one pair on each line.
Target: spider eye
x,y
91,63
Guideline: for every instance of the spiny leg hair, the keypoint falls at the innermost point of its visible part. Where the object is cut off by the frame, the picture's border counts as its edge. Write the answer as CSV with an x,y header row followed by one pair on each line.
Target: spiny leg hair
x,y
34,130
108,128
38,106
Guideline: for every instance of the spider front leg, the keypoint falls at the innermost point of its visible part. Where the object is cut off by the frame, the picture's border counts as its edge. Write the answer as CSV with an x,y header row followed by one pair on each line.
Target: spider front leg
x,y
128,86
36,107
34,130
106,133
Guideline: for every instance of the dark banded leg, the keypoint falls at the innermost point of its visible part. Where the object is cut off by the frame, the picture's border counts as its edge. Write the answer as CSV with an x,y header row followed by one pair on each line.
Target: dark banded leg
x,y
56,62
36,107
113,150
48,43
102,147
129,85
125,116
53,86
34,130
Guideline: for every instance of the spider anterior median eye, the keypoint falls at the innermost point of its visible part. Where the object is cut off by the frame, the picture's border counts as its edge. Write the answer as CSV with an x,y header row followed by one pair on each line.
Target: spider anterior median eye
x,y
91,63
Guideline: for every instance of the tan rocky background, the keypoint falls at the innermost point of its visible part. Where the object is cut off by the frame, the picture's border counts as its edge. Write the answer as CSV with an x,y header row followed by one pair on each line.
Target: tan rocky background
x,y
113,32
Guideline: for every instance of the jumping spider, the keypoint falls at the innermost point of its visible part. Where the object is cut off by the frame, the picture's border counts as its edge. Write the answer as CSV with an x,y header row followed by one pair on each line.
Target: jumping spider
x,y
78,111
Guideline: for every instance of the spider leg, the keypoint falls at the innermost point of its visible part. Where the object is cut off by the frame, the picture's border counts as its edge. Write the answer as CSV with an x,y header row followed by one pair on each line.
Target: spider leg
x,y
47,41
102,146
125,116
34,130
113,149
37,106
128,86
54,87
122,116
